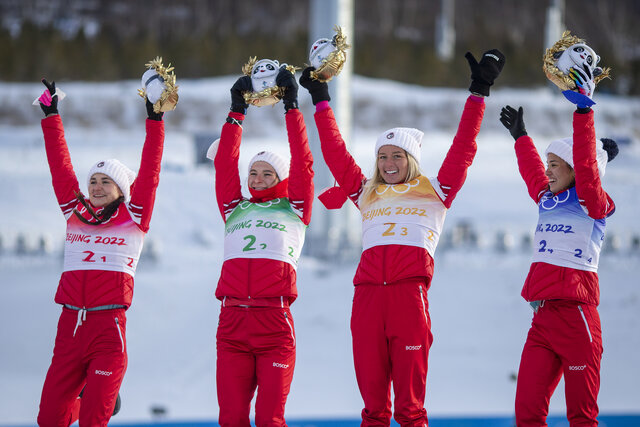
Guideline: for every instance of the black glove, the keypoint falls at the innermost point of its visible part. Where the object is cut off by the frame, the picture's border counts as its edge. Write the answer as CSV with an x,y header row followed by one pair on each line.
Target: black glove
x,y
152,114
238,104
53,107
287,80
512,120
483,73
318,90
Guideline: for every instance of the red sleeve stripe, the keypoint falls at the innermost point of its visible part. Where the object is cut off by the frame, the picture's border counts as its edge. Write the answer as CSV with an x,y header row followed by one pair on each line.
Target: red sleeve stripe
x,y
233,202
441,190
136,209
67,205
228,211
356,196
135,206
298,212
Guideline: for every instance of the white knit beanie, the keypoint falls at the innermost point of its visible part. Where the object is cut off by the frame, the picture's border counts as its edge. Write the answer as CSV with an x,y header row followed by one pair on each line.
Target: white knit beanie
x,y
277,162
563,148
409,139
118,172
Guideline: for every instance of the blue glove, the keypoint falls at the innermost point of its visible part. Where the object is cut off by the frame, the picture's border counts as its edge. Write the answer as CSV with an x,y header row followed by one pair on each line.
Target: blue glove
x,y
581,101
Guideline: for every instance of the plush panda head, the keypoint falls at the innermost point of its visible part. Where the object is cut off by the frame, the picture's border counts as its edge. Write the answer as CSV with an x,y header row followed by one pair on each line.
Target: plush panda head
x,y
319,52
578,56
263,74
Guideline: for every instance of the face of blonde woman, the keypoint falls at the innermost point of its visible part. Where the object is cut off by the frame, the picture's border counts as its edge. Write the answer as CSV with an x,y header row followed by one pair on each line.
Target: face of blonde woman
x,y
393,164
262,176
102,190
561,175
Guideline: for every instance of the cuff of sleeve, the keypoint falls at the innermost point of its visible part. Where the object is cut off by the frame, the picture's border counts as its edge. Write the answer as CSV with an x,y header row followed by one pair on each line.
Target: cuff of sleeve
x,y
237,116
321,106
477,98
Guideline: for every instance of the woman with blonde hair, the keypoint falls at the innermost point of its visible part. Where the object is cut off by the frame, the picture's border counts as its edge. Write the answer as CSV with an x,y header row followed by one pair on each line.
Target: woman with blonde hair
x,y
403,214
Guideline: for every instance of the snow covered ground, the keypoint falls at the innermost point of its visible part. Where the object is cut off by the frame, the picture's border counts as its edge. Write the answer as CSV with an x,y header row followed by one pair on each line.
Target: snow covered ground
x,y
479,320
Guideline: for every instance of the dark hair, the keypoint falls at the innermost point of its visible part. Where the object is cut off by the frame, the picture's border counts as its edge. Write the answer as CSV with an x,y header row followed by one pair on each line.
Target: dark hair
x,y
106,213
611,147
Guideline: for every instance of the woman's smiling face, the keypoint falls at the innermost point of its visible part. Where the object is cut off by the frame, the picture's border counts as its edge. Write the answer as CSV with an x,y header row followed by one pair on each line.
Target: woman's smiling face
x,y
393,164
561,175
102,190
262,176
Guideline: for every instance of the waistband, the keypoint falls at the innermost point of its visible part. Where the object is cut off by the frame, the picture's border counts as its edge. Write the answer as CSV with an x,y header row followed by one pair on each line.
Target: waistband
x,y
99,308
282,302
82,312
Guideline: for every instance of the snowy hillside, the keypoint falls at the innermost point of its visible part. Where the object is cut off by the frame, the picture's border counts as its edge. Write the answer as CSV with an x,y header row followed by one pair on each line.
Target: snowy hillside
x,y
479,320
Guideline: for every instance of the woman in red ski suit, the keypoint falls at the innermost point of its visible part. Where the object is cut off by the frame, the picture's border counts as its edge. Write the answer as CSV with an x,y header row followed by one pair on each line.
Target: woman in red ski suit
x,y
104,239
565,337
402,217
256,343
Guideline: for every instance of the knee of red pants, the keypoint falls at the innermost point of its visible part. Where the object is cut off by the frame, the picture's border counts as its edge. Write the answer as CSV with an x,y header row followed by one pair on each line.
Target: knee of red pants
x,y
104,378
234,409
59,402
272,398
581,393
97,413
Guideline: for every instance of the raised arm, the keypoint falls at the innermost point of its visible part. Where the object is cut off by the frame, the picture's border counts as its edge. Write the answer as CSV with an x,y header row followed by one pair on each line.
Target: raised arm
x,y
301,166
588,184
301,169
343,167
530,164
227,176
453,171
143,189
64,180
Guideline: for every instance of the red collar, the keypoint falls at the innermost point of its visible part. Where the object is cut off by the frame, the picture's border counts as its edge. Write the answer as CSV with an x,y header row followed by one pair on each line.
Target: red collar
x,y
280,190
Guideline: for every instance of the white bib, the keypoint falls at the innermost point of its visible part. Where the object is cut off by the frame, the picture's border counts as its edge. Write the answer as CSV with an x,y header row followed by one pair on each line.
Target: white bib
x,y
112,246
264,230
408,214
565,235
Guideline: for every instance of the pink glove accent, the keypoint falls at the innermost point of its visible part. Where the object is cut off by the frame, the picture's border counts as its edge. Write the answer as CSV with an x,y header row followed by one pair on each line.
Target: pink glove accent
x,y
45,98
321,106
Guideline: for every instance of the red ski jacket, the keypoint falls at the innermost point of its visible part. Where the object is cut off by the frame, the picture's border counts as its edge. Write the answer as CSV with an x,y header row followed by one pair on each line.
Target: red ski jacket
x,y
387,264
95,288
546,281
245,278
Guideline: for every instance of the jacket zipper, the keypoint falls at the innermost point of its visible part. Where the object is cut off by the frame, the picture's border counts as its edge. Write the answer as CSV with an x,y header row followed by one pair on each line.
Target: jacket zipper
x,y
286,319
584,319
119,333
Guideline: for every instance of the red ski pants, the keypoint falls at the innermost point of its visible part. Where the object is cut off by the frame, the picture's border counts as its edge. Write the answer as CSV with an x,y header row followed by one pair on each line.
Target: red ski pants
x,y
256,348
92,353
391,332
565,339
